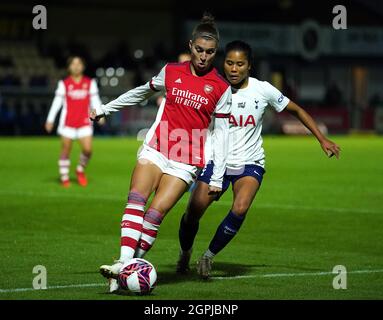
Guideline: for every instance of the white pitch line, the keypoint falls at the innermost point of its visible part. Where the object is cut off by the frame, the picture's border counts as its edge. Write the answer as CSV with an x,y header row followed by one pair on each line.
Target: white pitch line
x,y
302,274
218,203
54,287
270,275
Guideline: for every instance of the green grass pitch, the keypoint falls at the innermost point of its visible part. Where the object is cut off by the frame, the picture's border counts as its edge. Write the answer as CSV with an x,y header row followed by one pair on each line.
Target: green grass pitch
x,y
311,214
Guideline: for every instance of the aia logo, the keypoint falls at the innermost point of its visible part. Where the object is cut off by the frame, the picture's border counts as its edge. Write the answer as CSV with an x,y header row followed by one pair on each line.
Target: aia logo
x,y
242,121
208,88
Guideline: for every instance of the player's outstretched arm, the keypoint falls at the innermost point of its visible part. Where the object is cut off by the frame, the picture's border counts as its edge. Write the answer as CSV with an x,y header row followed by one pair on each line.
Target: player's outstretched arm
x,y
328,146
96,115
130,98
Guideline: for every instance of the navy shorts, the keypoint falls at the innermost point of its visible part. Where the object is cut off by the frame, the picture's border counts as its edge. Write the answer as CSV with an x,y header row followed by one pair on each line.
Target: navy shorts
x,y
232,175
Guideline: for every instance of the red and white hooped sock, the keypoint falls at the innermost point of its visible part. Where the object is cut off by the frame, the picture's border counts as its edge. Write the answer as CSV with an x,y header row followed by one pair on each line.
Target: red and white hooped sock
x,y
151,225
83,162
64,164
131,225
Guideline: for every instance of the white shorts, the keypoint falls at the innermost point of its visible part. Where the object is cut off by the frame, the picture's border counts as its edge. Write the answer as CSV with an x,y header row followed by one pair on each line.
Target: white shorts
x,y
186,172
75,133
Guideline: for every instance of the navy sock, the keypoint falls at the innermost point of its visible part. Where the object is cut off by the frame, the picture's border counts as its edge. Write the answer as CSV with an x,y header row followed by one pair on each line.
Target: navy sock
x,y
187,233
226,231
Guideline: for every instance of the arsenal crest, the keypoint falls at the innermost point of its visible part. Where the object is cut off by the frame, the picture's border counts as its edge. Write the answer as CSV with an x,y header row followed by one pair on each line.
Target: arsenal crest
x,y
208,88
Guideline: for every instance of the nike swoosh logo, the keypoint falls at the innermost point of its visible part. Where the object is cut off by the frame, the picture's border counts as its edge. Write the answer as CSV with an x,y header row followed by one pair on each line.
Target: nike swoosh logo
x,y
229,231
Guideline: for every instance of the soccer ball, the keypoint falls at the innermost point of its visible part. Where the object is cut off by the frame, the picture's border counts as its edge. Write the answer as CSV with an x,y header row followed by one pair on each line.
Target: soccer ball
x,y
138,276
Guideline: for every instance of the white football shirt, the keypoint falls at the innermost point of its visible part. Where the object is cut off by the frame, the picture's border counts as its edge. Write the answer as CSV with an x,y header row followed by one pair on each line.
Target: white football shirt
x,y
248,107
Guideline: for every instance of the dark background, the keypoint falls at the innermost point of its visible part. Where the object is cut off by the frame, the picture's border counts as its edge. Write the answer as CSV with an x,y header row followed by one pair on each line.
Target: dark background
x,y
337,75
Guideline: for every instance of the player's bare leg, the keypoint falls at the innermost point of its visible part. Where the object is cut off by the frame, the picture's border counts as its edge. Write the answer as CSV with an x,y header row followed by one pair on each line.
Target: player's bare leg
x,y
64,161
244,190
145,179
86,153
199,201
169,191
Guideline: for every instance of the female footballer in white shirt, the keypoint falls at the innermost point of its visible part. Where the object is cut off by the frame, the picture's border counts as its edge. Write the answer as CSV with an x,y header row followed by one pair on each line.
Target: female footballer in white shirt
x,y
246,159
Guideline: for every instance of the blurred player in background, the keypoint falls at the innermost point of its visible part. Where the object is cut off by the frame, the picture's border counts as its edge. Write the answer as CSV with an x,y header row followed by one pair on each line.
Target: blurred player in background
x,y
246,158
75,94
173,150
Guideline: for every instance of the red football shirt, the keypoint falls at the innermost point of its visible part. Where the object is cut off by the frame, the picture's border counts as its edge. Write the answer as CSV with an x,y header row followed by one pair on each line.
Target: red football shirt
x,y
77,102
180,129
